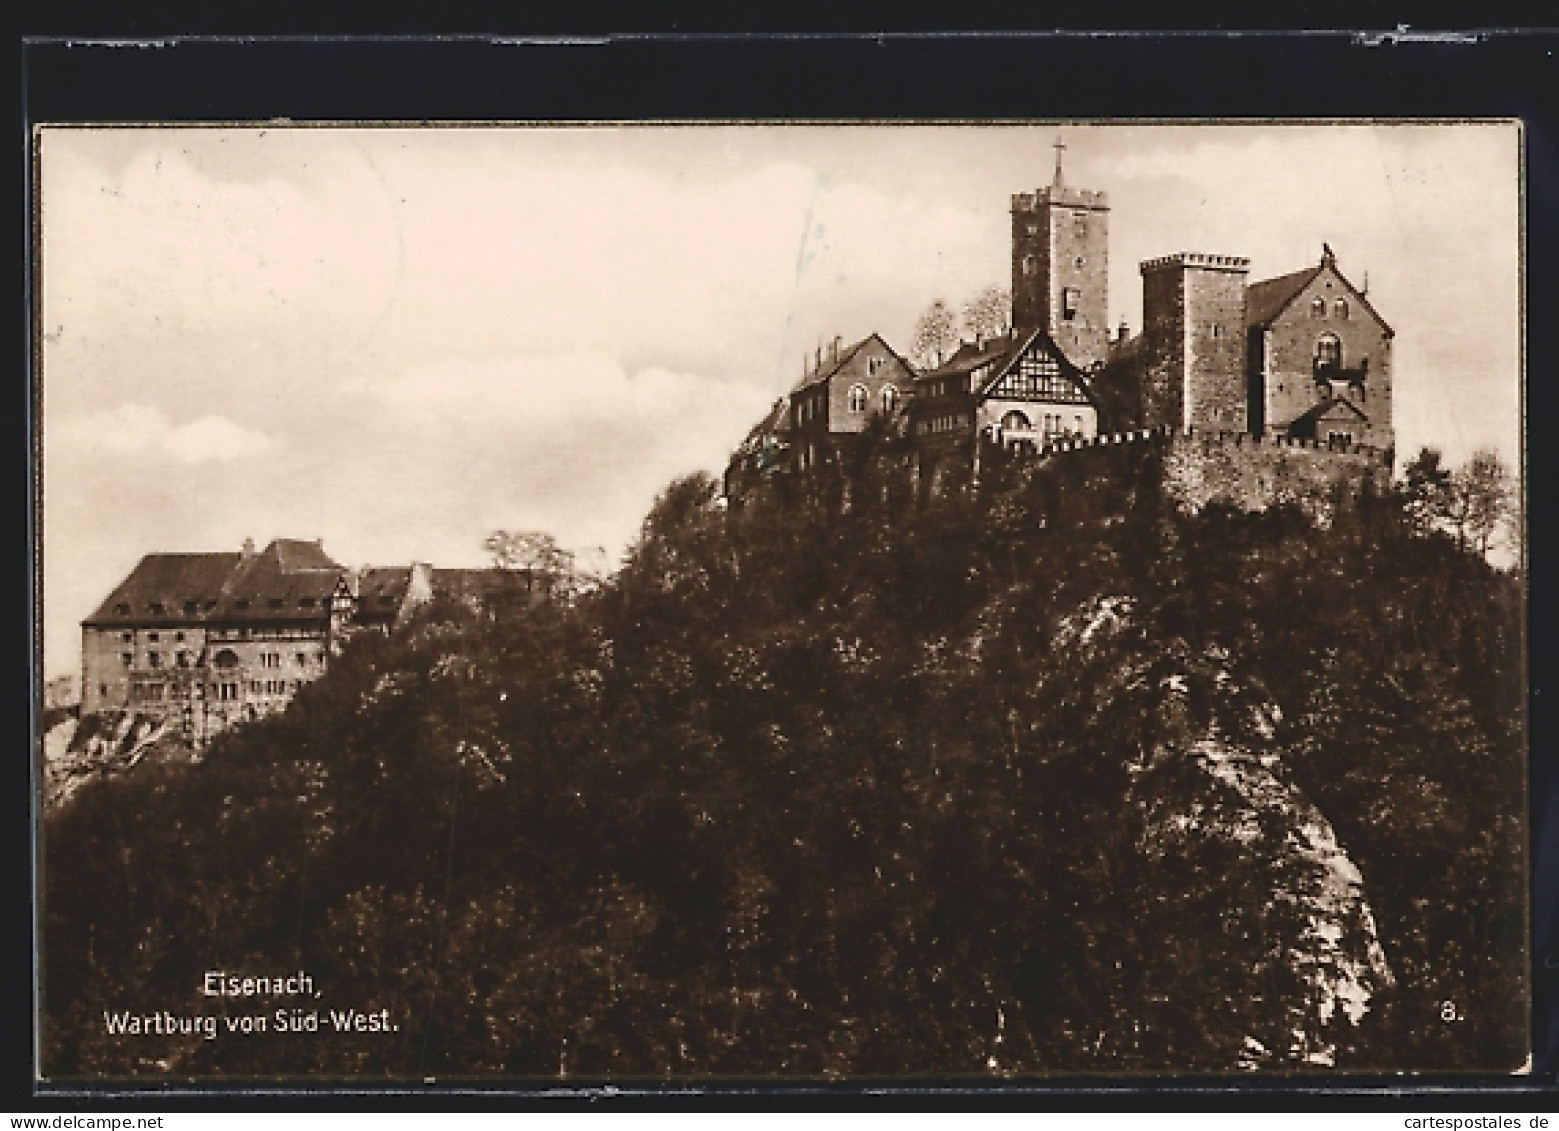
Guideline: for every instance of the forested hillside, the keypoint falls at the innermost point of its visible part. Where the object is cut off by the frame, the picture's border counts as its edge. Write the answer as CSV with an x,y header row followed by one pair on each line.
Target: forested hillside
x,y
1047,778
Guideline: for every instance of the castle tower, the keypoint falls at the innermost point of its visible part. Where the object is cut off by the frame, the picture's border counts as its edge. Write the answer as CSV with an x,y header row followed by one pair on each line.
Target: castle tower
x,y
1193,314
1060,266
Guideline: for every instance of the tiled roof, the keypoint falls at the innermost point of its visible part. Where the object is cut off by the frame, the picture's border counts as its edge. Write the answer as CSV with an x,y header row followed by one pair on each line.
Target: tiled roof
x,y
829,368
969,356
1265,300
289,580
381,591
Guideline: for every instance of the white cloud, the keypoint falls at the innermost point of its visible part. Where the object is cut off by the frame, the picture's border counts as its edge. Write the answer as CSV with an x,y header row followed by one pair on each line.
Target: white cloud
x,y
139,430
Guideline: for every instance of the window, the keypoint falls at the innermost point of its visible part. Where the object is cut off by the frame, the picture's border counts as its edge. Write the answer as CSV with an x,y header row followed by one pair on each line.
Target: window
x,y
857,398
890,397
1015,422
1345,438
240,605
1079,422
191,606
1028,265
154,659
303,658
1328,351
1069,301
126,659
1340,309
1079,261
1318,307
122,609
873,364
183,659
306,602
128,637
153,637
274,602
1080,225
1217,329
178,638
158,608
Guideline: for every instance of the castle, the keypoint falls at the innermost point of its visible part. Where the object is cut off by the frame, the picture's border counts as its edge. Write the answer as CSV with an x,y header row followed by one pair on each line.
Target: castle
x,y
1263,390
209,640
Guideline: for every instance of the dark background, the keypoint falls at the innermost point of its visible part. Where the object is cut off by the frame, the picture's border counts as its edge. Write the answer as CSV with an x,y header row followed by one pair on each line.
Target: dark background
x,y
576,68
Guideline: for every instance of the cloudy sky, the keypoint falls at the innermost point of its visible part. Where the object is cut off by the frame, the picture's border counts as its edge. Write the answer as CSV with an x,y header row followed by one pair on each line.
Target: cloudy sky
x,y
399,340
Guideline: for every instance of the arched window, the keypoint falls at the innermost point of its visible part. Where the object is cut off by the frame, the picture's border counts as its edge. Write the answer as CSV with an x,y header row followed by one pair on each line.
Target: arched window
x,y
857,398
1328,351
1015,421
1340,309
890,397
226,658
1318,307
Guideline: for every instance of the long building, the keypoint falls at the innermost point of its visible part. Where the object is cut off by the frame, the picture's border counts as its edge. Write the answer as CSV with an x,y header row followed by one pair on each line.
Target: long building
x,y
221,638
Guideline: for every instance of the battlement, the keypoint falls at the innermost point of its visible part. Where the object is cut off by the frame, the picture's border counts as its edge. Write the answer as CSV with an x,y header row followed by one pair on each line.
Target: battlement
x,y
1197,259
1060,194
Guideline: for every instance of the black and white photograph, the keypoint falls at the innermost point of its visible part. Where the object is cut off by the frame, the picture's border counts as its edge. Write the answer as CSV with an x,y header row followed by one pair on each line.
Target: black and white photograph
x,y
607,602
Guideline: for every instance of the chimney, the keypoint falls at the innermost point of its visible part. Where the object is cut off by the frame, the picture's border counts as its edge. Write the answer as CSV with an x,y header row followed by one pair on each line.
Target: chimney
x,y
834,349
248,549
1124,331
819,358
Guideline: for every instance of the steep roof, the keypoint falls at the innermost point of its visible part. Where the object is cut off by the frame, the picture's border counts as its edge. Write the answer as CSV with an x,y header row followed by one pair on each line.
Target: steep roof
x,y
289,580
381,591
1265,300
827,371
167,582
969,356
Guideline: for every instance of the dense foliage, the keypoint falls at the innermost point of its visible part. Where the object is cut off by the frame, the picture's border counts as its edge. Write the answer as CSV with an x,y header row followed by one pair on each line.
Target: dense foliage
x,y
871,790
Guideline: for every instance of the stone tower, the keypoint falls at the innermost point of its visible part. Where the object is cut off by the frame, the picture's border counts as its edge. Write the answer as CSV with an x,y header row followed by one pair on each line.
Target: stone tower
x,y
1060,262
1193,315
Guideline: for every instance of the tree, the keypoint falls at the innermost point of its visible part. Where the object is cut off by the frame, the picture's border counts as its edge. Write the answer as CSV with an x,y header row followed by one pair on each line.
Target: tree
x,y
1473,502
1428,490
989,313
535,554
1483,490
936,334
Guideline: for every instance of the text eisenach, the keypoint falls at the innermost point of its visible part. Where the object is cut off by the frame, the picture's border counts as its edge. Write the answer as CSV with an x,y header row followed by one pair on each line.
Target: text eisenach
x,y
219,983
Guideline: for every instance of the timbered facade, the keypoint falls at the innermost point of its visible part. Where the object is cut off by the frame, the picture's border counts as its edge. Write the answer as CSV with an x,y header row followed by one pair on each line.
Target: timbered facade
x,y
1014,390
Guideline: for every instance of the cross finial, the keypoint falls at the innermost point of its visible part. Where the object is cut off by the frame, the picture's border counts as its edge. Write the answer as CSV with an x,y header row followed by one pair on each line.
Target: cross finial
x,y
1059,147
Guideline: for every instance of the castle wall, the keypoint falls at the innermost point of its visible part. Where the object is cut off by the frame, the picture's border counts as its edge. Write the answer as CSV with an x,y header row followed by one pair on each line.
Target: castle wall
x,y
1251,473
271,663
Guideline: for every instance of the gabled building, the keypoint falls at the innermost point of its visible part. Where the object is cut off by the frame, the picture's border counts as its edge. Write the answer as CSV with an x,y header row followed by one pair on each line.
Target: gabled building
x,y
842,389
219,638
1303,359
1018,389
1319,359
1302,356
